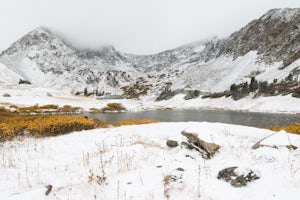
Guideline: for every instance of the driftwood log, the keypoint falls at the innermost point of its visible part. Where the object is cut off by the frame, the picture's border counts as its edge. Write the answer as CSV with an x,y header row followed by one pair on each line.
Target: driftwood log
x,y
207,150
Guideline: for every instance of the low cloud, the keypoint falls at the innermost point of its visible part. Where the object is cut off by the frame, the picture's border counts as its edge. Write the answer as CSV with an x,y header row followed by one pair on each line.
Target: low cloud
x,y
134,26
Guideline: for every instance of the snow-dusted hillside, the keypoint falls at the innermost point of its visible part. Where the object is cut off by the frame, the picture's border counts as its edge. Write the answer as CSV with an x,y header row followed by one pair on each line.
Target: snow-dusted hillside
x,y
46,60
134,162
8,76
267,48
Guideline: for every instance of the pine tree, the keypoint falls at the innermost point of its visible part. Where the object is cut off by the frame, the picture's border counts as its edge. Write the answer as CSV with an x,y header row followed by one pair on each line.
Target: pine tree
x,y
85,92
253,85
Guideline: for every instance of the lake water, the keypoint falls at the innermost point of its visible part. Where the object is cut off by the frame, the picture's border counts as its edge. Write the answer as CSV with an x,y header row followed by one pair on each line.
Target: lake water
x,y
231,117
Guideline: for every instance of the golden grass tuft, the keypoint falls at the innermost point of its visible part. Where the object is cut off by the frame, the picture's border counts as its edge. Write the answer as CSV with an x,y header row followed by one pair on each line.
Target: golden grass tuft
x,y
111,107
69,109
292,128
28,109
135,122
49,107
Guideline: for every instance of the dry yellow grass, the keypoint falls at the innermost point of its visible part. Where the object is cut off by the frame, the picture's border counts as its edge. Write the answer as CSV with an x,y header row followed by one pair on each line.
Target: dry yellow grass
x,y
135,122
12,125
110,107
2,109
48,108
292,128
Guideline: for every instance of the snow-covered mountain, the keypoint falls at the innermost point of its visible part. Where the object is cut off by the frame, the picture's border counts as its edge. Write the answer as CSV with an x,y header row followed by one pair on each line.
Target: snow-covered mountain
x,y
267,48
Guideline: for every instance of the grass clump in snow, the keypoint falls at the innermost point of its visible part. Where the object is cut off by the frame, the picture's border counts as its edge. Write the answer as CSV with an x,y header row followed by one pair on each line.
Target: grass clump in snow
x,y
292,128
45,109
113,107
135,122
13,125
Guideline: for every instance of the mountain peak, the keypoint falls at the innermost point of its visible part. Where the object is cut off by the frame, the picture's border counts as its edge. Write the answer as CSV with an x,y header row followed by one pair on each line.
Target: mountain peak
x,y
38,37
41,29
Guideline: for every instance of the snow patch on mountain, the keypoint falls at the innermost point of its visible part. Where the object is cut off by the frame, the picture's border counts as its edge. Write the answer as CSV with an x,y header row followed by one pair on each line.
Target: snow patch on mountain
x,y
8,76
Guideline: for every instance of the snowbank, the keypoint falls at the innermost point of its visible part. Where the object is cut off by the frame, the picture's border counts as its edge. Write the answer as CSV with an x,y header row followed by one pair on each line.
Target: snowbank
x,y
133,162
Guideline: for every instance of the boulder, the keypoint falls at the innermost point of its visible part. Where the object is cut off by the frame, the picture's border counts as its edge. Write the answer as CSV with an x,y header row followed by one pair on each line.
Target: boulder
x,y
237,180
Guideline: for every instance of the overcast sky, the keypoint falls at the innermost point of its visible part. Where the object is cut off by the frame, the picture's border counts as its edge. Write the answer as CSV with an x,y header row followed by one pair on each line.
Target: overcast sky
x,y
133,26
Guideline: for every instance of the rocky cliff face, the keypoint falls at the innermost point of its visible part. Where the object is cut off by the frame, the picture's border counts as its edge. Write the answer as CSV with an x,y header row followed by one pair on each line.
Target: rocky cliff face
x,y
268,48
275,36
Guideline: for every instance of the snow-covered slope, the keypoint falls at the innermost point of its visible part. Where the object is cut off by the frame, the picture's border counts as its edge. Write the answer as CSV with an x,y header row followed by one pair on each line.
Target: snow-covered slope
x,y
7,76
267,48
134,162
46,60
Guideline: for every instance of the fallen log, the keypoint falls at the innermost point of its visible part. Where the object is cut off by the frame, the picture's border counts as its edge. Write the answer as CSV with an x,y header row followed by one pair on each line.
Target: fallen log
x,y
207,150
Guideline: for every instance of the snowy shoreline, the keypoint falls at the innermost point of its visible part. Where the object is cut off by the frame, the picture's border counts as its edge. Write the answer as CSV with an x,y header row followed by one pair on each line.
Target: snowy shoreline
x,y
28,96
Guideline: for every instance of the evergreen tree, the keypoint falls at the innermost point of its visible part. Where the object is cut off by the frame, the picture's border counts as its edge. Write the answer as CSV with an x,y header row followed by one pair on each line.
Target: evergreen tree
x,y
253,84
85,92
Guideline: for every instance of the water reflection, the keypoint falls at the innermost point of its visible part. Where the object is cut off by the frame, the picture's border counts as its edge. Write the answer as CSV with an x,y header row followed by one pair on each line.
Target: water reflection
x,y
231,117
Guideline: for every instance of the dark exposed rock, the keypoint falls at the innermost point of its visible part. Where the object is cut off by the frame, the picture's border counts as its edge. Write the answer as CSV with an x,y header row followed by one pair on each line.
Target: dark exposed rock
x,y
172,143
6,95
165,95
180,169
49,188
192,94
24,82
229,175
272,35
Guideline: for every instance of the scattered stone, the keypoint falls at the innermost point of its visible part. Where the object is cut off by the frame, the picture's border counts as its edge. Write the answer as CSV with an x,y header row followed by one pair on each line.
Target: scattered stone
x,y
291,147
49,188
229,175
24,82
172,143
207,150
189,156
6,95
180,169
100,179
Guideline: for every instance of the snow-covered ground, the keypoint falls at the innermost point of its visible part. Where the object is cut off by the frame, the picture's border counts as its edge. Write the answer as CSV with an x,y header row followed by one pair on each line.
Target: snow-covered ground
x,y
26,95
132,162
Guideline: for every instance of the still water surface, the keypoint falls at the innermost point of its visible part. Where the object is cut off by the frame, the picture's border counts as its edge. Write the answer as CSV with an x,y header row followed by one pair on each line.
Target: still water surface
x,y
231,117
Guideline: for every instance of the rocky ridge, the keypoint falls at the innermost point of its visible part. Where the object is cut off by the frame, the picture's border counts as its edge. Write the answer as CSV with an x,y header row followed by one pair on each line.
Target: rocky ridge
x,y
267,48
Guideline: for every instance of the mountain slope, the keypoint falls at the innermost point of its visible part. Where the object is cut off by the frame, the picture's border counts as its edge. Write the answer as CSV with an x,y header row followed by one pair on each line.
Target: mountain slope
x,y
267,48
46,60
7,76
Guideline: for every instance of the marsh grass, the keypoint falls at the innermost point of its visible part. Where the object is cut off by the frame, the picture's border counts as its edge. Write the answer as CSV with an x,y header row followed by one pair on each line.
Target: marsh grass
x,y
135,122
292,128
14,124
